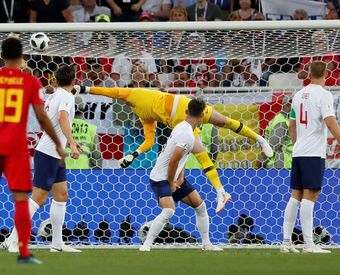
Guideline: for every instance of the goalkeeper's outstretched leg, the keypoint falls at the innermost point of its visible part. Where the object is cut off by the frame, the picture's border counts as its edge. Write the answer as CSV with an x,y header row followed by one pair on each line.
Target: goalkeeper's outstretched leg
x,y
210,170
238,127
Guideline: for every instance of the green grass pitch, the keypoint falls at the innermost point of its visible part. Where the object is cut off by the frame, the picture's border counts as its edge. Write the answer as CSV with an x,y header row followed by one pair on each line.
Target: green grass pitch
x,y
174,262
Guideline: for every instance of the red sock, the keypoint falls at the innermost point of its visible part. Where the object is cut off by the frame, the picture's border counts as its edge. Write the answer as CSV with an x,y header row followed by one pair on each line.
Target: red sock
x,y
22,222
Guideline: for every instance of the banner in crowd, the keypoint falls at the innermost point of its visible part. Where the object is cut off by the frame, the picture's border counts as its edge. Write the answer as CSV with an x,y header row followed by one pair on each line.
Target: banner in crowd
x,y
284,10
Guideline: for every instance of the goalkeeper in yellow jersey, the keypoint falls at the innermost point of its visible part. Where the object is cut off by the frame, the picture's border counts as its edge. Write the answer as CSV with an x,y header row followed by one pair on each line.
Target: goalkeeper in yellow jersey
x,y
154,106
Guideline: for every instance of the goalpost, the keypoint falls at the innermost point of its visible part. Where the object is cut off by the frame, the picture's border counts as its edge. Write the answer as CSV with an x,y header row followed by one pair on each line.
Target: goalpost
x,y
246,70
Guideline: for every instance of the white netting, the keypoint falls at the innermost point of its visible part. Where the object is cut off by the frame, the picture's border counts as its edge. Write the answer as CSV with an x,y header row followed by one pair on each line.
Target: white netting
x,y
247,72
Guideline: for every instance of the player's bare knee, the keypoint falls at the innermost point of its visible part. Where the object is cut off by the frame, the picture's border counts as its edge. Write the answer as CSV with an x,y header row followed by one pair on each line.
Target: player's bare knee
x,y
61,196
39,196
297,194
310,194
194,199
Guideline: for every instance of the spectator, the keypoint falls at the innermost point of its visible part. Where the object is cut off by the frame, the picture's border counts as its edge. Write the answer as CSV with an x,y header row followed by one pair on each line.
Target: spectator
x,y
82,67
89,11
284,64
245,13
245,72
125,11
139,77
235,4
300,15
320,44
146,17
44,68
102,40
148,37
178,14
75,5
44,11
96,76
201,68
182,3
224,5
181,79
135,55
277,135
203,10
332,15
259,16
14,11
172,42
84,133
160,9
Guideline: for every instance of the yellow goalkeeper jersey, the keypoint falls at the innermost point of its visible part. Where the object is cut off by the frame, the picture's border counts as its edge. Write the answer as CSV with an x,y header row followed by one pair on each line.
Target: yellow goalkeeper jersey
x,y
152,106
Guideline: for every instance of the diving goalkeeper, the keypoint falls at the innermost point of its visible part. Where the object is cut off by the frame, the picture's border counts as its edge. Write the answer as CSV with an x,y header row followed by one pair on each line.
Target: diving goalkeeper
x,y
154,106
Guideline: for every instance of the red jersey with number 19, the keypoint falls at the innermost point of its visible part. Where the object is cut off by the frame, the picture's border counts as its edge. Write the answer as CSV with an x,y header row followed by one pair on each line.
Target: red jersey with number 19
x,y
17,91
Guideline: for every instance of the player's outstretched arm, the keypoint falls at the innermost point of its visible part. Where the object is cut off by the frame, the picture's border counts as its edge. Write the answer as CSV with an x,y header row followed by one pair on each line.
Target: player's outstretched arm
x,y
115,93
47,126
149,128
333,127
67,131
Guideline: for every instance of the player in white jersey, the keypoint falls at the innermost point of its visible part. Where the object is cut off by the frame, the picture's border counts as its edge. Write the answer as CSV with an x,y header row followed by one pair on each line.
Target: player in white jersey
x,y
49,172
311,114
168,182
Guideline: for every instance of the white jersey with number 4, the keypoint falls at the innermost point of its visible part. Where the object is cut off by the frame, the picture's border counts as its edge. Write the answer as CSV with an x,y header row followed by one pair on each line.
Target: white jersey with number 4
x,y
60,100
310,106
181,136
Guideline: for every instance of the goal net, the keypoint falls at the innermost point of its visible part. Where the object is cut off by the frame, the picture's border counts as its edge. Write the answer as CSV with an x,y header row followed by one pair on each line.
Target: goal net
x,y
247,71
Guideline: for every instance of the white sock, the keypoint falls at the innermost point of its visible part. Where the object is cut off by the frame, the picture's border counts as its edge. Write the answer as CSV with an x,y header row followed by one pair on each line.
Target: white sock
x,y
220,191
158,224
202,222
33,207
289,221
57,217
306,218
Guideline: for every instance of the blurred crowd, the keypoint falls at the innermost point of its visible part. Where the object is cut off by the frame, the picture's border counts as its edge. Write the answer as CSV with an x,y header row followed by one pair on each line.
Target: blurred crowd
x,y
139,10
146,71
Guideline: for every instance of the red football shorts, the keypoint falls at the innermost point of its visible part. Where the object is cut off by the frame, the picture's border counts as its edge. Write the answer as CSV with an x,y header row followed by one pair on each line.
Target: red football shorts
x,y
17,170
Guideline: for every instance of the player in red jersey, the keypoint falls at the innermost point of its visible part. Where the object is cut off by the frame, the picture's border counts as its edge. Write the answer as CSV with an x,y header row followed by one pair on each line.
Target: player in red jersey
x,y
18,90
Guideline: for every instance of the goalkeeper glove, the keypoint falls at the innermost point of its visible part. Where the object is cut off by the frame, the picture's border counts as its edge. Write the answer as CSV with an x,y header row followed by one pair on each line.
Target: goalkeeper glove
x,y
77,89
127,160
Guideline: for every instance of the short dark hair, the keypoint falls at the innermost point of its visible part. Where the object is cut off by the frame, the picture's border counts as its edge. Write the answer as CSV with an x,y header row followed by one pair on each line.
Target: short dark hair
x,y
318,69
196,107
65,75
11,48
